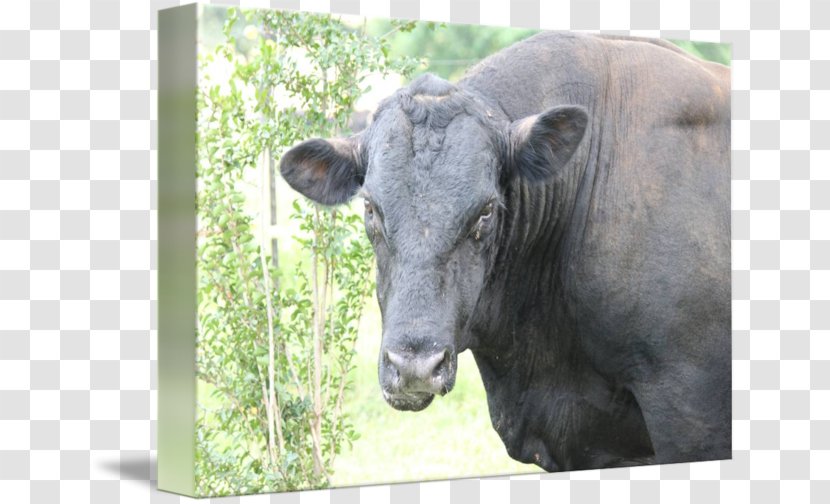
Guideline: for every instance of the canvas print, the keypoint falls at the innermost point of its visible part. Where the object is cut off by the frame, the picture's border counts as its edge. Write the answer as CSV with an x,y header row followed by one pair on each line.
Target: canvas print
x,y
395,251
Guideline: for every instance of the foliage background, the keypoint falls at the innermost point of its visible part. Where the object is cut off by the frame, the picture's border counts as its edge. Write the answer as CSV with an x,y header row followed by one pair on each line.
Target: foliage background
x,y
275,346
452,438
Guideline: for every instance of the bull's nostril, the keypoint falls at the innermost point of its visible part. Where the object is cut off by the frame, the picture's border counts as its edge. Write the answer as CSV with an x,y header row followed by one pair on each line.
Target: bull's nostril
x,y
432,365
444,363
398,361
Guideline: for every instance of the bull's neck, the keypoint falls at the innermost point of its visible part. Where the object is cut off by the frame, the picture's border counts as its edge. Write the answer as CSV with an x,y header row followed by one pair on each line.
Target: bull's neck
x,y
542,218
540,243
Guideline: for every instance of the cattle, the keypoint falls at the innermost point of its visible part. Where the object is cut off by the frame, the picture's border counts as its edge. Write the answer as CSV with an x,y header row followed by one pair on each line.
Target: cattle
x,y
563,213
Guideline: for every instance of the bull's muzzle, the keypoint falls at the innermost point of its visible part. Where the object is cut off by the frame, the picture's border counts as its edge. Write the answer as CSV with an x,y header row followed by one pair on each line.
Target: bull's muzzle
x,y
411,380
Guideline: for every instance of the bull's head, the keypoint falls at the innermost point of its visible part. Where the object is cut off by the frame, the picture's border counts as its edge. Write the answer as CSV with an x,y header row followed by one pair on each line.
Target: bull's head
x,y
432,169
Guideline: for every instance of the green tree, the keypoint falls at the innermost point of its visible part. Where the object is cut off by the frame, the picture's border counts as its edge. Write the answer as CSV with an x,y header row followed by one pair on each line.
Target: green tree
x,y
710,51
449,50
275,347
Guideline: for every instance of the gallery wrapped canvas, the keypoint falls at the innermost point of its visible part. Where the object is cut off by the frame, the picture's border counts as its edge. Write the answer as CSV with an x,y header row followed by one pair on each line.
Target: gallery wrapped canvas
x,y
395,251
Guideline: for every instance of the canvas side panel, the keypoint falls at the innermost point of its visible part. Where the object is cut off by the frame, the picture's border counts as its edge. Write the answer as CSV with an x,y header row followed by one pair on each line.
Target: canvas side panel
x,y
177,248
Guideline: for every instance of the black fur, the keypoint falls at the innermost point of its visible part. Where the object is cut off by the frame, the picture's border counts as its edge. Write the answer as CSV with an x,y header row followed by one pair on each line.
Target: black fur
x,y
563,213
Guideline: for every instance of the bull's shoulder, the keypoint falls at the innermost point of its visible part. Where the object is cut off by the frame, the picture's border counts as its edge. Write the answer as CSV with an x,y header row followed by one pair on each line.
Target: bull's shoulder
x,y
599,70
673,86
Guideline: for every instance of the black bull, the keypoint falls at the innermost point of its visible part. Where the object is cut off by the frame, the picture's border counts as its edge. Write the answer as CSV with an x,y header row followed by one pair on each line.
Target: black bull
x,y
563,213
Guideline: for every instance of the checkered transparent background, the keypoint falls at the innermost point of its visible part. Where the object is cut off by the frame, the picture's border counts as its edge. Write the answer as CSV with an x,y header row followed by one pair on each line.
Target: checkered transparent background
x,y
78,262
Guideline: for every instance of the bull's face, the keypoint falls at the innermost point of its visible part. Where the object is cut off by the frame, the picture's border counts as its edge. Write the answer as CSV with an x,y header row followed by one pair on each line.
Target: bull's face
x,y
431,169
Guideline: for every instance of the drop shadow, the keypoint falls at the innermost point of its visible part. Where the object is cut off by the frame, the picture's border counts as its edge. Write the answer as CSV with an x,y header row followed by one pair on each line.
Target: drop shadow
x,y
139,467
142,469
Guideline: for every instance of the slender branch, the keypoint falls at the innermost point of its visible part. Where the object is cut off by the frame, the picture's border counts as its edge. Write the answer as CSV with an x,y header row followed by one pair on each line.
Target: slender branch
x,y
269,414
274,413
330,265
317,344
390,32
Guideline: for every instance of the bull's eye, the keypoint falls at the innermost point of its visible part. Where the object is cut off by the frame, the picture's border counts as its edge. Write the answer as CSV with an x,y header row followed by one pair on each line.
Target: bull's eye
x,y
486,212
483,223
371,221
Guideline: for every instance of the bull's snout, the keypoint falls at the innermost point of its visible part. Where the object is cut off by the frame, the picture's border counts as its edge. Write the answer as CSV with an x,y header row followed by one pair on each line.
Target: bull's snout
x,y
411,380
420,373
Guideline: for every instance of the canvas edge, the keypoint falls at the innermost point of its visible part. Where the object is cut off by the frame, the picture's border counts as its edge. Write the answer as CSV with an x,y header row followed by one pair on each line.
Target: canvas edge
x,y
177,56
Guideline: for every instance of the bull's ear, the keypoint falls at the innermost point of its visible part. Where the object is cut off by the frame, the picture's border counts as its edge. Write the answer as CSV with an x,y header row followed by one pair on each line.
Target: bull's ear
x,y
542,144
328,171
